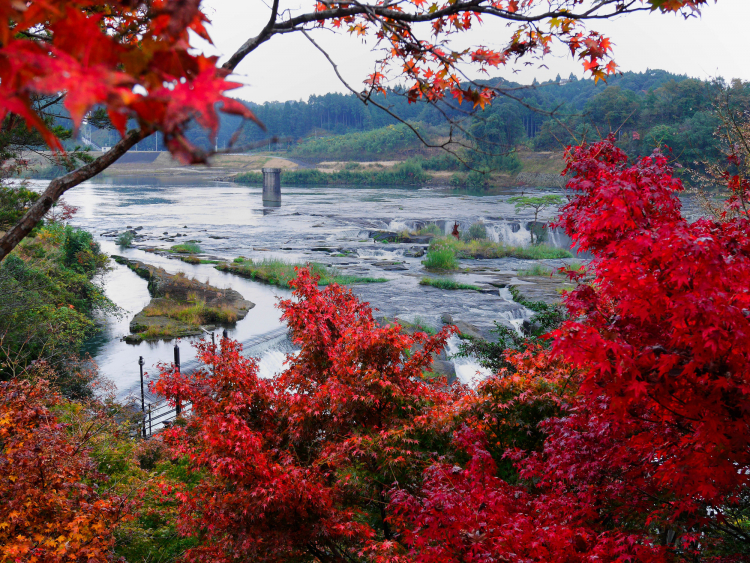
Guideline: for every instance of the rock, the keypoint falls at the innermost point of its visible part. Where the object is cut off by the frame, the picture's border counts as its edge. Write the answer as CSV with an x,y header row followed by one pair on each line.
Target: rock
x,y
383,236
216,237
165,233
444,368
415,252
446,318
467,330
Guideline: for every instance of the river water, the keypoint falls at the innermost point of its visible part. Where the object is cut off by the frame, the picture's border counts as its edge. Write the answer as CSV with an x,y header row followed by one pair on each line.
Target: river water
x,y
312,224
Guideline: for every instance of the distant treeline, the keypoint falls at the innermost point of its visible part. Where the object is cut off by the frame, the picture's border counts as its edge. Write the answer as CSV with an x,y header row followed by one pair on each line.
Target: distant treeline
x,y
643,109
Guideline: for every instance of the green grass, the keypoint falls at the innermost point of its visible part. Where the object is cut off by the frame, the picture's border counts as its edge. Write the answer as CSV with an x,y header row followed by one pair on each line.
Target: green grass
x,y
482,248
279,272
186,248
536,270
196,313
196,260
447,284
351,280
440,258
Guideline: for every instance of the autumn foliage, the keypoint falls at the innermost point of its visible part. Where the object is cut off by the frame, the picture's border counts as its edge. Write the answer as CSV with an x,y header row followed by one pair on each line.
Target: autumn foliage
x,y
300,465
131,58
52,505
626,440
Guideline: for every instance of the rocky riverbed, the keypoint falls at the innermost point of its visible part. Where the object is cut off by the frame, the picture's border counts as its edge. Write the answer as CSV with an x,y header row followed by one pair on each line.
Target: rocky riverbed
x,y
359,232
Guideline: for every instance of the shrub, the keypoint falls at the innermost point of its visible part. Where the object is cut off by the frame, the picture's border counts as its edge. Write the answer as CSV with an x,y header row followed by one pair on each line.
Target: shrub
x,y
186,248
441,258
477,179
477,231
430,229
125,240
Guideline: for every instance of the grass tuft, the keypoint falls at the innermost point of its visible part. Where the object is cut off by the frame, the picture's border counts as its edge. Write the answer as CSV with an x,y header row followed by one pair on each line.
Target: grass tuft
x,y
279,272
192,313
186,248
441,283
536,270
440,258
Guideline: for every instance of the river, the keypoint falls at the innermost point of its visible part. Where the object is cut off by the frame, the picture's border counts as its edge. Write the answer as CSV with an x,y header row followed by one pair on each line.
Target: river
x,y
312,224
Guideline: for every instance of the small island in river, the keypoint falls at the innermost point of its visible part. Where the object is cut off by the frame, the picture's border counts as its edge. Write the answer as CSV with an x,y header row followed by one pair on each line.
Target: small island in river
x,y
181,306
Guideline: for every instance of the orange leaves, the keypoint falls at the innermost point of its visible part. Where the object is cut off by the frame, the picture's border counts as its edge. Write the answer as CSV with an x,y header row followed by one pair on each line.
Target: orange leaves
x,y
49,508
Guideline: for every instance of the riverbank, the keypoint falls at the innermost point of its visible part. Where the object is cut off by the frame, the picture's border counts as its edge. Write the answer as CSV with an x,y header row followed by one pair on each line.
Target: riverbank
x,y
536,169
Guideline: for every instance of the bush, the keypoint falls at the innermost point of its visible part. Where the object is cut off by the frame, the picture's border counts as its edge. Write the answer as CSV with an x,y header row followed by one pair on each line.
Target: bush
x,y
14,202
440,258
477,179
186,248
125,240
477,231
82,254
431,229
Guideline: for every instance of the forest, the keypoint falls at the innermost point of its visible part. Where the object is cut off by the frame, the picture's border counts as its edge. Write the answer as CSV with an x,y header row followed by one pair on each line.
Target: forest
x,y
645,110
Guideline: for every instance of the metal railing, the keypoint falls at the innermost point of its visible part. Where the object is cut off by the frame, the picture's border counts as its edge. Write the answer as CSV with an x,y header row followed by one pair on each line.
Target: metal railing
x,y
161,414
158,414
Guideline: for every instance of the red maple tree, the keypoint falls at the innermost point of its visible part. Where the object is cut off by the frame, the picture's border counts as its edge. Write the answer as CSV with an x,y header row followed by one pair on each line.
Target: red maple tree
x,y
626,440
299,466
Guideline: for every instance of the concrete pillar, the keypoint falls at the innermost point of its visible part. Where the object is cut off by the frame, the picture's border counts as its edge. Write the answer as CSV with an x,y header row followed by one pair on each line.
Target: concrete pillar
x,y
272,186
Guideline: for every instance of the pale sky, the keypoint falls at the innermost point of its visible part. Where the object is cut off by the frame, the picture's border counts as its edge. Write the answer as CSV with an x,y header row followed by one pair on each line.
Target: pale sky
x,y
288,67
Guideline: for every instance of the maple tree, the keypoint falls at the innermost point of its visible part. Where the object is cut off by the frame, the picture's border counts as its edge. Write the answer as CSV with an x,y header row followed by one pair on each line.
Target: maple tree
x,y
52,504
298,466
133,61
624,440
644,456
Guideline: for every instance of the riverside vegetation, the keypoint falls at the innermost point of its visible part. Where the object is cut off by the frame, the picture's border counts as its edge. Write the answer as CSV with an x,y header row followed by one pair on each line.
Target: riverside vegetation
x,y
444,252
280,272
409,173
49,294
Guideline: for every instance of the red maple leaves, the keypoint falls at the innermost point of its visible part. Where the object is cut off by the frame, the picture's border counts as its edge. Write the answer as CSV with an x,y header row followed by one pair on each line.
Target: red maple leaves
x,y
132,59
625,441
